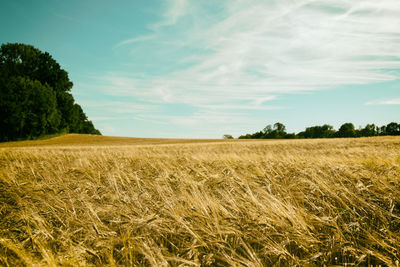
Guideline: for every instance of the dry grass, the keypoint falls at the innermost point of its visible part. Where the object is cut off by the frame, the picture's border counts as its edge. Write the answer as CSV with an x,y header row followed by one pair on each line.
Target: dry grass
x,y
99,140
237,203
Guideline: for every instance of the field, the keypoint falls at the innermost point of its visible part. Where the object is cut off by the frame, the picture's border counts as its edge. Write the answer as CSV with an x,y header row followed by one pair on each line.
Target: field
x,y
79,200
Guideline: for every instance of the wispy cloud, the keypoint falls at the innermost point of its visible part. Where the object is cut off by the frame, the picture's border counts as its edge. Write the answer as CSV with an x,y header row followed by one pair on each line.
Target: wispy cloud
x,y
105,118
264,48
135,40
395,101
175,10
126,107
117,110
247,54
240,107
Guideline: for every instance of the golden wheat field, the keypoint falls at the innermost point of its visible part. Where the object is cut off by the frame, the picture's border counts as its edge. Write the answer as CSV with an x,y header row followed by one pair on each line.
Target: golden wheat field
x,y
79,200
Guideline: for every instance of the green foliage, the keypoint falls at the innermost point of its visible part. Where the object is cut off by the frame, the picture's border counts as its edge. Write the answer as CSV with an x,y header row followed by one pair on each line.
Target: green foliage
x,y
346,130
35,96
369,130
29,109
227,136
324,131
392,129
278,131
246,136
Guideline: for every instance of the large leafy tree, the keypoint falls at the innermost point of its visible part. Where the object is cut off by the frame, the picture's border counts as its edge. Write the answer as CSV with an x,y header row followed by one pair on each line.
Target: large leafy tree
x,y
35,95
29,109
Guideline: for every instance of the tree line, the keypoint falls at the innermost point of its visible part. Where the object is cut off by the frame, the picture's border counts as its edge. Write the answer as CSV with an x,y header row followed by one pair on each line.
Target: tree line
x,y
278,131
35,98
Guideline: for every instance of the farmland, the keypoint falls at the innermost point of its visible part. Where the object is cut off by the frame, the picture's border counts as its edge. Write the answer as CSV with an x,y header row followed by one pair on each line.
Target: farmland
x,y
82,200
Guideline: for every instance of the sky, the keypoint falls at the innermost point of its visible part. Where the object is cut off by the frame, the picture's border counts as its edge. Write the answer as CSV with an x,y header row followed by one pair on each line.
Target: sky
x,y
202,69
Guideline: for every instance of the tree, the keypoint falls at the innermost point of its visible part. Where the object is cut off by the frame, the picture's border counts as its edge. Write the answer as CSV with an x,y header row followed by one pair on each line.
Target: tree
x,y
301,134
346,130
393,129
382,130
29,109
257,135
290,136
246,136
280,128
369,130
324,131
267,129
227,136
277,131
35,95
28,61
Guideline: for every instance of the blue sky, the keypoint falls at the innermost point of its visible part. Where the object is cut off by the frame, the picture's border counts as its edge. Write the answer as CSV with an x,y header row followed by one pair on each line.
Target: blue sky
x,y
201,69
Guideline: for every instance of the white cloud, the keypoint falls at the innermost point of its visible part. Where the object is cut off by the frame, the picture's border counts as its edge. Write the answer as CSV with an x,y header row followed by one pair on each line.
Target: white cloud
x,y
96,119
239,107
252,52
117,108
135,40
176,9
395,101
261,49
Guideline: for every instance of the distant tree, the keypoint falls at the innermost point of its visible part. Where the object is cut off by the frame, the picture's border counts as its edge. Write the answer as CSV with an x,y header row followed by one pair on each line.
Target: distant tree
x,y
257,135
278,130
393,129
301,134
227,136
246,136
369,130
290,136
346,130
327,131
35,94
382,130
324,131
267,129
